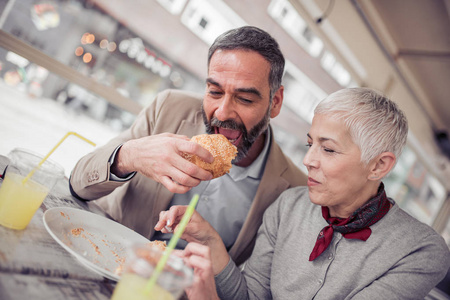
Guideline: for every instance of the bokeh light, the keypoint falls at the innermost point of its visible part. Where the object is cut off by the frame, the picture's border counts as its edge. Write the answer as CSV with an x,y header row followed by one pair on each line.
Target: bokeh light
x,y
79,51
90,38
111,47
87,57
103,43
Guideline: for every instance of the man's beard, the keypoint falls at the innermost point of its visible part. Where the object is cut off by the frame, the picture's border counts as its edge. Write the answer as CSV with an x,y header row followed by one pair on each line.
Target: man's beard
x,y
248,138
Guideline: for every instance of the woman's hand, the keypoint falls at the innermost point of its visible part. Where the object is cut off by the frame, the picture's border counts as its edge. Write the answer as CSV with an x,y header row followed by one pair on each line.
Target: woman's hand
x,y
204,287
197,230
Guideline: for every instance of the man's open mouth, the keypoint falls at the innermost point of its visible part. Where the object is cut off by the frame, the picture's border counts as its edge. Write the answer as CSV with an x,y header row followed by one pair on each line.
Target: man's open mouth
x,y
234,136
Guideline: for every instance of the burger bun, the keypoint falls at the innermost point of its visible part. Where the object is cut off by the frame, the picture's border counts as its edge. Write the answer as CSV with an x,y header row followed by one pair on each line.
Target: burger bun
x,y
221,149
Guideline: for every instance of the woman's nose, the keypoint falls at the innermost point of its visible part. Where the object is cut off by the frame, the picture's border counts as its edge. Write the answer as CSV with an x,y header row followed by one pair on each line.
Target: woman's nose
x,y
310,159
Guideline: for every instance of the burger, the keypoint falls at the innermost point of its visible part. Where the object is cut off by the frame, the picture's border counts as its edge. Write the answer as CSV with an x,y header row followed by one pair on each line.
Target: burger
x,y
221,149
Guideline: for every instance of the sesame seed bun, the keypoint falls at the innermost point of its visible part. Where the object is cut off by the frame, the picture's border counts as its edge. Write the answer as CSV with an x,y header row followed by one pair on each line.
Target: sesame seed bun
x,y
221,149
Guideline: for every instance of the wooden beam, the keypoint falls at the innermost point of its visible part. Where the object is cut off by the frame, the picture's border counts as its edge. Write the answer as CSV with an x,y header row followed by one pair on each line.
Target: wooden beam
x,y
12,43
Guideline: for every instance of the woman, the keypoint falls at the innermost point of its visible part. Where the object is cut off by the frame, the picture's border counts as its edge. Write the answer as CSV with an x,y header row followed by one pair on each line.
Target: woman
x,y
340,237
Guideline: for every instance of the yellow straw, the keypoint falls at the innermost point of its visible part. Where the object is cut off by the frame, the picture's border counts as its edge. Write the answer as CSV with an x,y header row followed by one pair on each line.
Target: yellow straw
x,y
51,151
172,243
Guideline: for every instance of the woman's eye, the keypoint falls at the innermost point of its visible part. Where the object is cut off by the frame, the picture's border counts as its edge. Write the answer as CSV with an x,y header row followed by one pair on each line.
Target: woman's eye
x,y
328,150
308,145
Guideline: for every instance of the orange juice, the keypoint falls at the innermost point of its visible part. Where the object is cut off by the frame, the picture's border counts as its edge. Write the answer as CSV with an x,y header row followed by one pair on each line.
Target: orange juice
x,y
132,286
18,201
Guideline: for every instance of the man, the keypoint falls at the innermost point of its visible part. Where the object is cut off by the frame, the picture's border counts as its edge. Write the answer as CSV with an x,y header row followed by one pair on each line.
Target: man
x,y
141,172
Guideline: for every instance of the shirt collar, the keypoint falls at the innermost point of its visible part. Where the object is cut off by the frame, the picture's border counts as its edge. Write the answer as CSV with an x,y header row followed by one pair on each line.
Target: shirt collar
x,y
256,169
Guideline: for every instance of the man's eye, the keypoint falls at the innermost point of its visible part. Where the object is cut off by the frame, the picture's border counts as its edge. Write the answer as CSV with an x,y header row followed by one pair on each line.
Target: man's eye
x,y
328,150
308,145
214,93
246,101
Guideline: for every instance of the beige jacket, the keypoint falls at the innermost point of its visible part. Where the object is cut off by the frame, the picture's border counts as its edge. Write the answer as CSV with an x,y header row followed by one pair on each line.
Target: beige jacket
x,y
138,202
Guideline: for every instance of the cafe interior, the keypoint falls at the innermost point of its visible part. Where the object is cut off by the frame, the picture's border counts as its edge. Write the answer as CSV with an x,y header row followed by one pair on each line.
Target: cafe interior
x,y
90,66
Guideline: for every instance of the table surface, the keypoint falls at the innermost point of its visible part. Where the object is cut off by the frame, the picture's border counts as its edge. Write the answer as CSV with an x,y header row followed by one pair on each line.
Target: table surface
x,y
34,266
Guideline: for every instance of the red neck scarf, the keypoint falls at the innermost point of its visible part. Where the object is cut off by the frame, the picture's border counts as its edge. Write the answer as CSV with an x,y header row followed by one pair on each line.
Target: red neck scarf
x,y
354,227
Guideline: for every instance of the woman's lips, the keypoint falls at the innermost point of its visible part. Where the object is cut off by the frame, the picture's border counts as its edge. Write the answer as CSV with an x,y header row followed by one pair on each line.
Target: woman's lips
x,y
312,182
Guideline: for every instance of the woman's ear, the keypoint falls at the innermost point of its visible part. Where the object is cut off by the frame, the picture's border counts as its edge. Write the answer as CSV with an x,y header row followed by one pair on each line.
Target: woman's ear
x,y
381,165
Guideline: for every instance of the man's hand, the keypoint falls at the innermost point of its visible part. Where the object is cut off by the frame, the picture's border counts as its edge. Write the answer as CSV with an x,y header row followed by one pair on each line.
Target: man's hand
x,y
159,157
197,230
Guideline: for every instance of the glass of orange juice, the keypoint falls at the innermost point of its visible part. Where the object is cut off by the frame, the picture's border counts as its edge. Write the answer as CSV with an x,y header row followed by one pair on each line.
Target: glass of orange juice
x,y
20,198
139,266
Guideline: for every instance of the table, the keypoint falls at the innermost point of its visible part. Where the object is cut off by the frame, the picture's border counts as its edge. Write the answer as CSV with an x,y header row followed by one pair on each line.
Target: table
x,y
34,266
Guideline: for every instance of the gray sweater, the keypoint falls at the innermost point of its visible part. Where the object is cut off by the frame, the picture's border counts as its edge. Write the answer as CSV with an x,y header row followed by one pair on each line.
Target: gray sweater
x,y
402,259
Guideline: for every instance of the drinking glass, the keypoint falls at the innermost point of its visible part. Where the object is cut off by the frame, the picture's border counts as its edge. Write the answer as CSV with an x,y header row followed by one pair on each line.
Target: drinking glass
x,y
21,196
139,267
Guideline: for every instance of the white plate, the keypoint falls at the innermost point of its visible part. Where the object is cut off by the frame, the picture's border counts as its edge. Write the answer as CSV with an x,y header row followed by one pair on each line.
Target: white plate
x,y
97,242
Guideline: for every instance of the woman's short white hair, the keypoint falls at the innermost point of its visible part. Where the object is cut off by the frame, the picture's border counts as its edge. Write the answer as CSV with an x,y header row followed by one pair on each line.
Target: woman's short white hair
x,y
376,124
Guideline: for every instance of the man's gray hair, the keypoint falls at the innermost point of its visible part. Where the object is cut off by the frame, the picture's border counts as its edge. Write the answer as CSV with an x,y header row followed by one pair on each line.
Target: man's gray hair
x,y
376,123
253,39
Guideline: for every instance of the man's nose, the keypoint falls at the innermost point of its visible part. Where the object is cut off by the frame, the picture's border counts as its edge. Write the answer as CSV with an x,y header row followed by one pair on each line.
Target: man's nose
x,y
226,109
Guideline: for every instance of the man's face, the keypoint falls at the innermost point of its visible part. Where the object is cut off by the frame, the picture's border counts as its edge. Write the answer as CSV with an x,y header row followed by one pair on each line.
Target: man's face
x,y
237,99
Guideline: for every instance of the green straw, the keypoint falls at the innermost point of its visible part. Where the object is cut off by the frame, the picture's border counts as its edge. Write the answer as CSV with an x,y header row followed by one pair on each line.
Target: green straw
x,y
172,243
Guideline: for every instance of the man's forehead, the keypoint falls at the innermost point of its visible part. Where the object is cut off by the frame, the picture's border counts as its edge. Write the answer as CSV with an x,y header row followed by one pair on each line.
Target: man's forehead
x,y
249,52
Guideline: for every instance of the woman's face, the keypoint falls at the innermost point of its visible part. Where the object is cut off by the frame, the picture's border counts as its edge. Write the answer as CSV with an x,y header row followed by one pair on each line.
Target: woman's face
x,y
336,176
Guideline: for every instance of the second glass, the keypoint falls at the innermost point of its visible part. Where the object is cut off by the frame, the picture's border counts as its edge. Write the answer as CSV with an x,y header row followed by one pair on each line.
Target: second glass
x,y
139,266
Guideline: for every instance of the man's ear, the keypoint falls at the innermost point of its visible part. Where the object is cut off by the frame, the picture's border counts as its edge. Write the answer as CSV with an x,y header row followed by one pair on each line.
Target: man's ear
x,y
381,165
277,101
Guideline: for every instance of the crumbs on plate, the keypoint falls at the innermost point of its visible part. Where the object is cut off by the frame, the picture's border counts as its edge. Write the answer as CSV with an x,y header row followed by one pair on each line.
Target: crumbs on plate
x,y
77,231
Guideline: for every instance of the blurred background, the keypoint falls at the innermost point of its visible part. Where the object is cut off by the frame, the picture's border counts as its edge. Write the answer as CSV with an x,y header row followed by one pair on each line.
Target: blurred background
x,y
90,66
